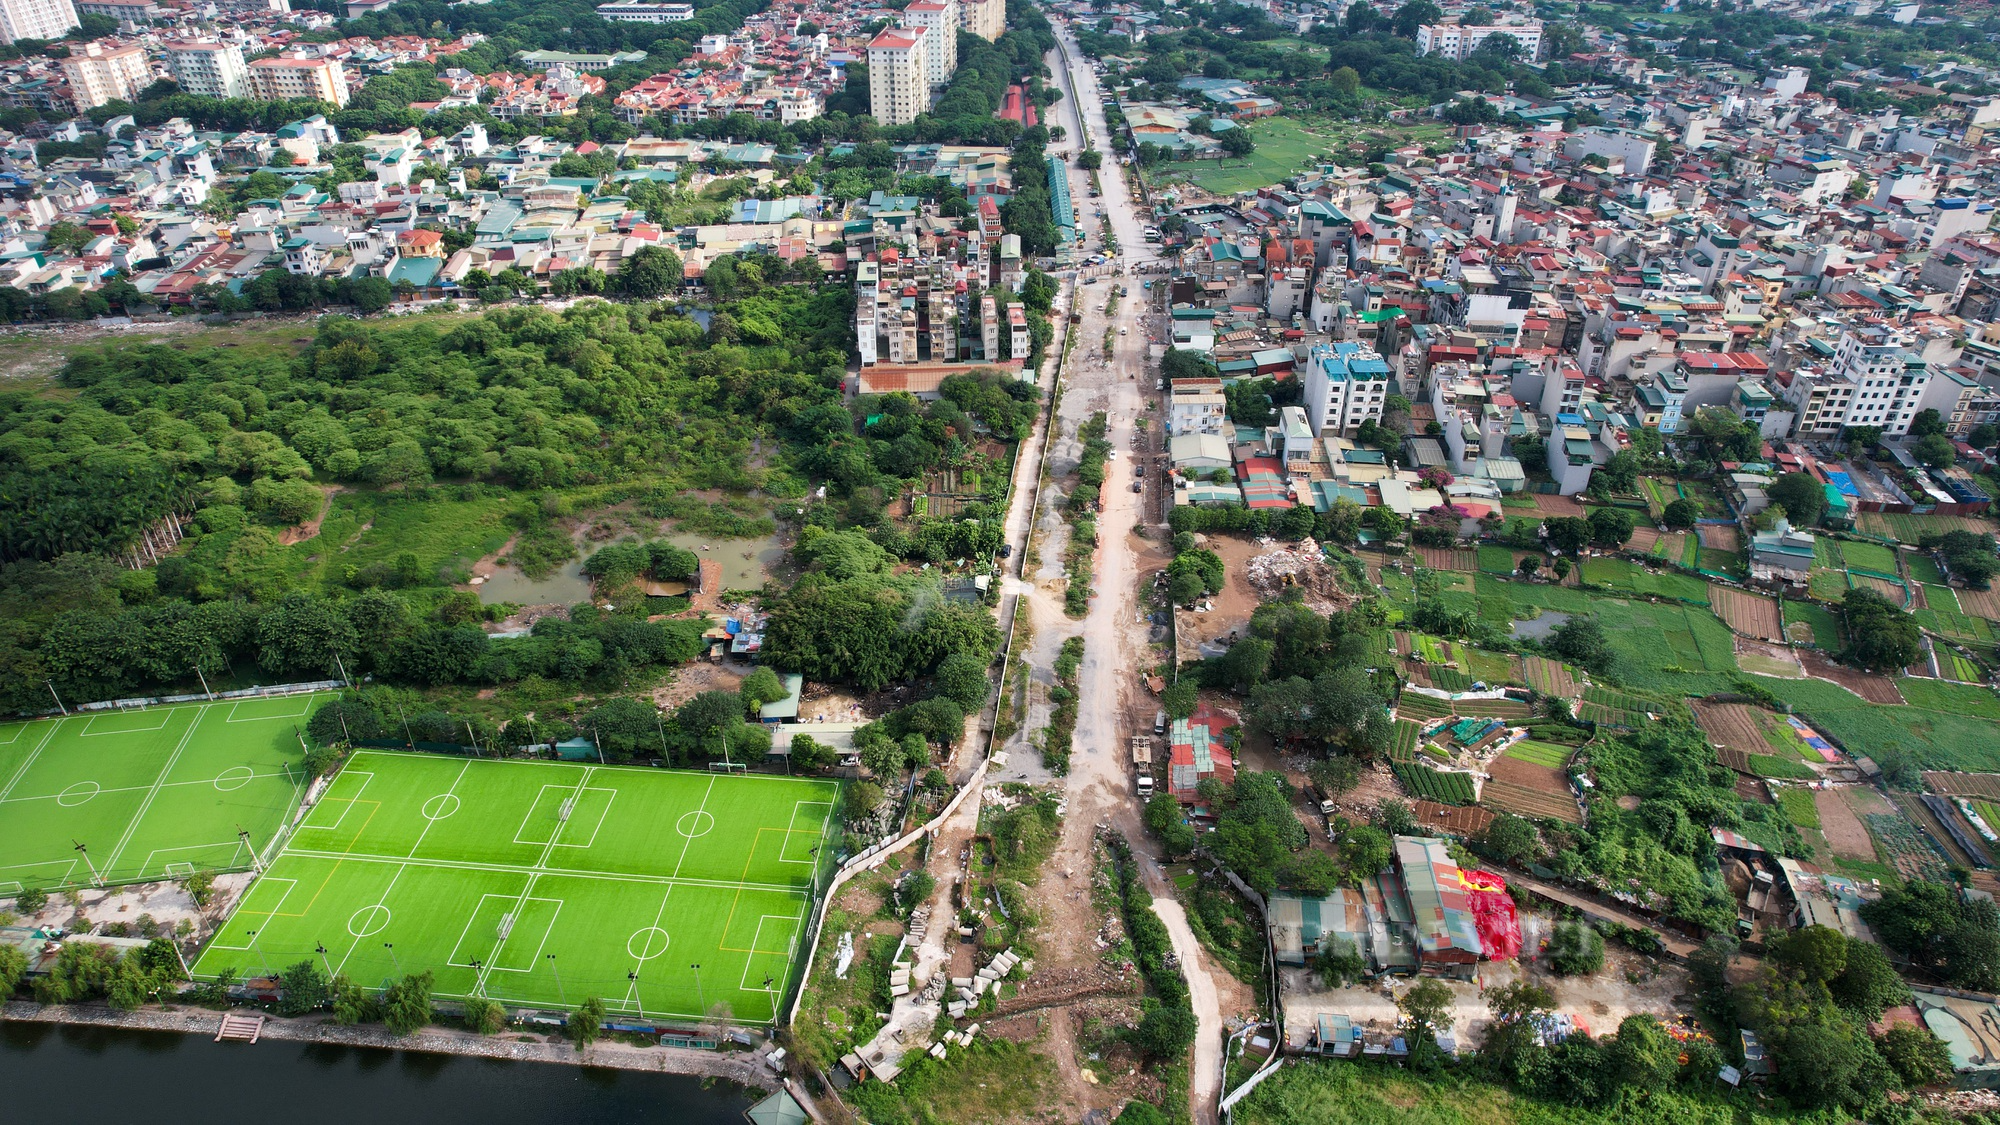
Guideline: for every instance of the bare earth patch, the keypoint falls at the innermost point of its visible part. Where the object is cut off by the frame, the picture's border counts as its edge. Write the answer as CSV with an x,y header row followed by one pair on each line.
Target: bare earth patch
x,y
1841,827
1867,685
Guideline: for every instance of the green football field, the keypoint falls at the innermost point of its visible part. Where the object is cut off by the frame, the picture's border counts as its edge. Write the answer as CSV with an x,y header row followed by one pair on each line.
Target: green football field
x,y
150,794
543,883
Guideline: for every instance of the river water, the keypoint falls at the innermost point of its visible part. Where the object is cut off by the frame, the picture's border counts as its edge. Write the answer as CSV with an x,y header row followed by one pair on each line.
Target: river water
x,y
49,1072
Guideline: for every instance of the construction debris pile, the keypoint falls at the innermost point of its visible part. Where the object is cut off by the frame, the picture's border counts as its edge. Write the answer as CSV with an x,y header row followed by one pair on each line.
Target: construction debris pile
x,y
1302,565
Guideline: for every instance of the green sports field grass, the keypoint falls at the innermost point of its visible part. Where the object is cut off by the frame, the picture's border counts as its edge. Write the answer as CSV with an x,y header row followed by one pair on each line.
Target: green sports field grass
x,y
150,793
470,870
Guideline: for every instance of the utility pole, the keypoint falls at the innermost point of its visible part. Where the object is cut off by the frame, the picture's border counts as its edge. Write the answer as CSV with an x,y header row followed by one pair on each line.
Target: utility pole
x,y
59,702
599,743
342,665
205,689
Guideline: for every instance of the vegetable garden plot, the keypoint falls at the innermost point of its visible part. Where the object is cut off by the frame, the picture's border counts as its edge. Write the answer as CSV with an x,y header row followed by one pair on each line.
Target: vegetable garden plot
x,y
1432,785
1550,677
1751,614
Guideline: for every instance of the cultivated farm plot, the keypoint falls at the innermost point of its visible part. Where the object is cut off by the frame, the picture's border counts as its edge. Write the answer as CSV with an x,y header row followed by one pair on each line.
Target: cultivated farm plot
x,y
1550,677
1449,558
1753,615
150,794
1980,603
1720,537
1947,783
1737,726
1455,820
1540,753
539,883
1841,827
1869,686
1910,528
1535,802
1906,849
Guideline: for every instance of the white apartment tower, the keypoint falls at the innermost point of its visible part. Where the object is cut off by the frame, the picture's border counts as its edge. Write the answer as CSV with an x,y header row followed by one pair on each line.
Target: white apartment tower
x,y
899,86
98,74
1457,42
1888,381
35,19
281,79
940,19
984,18
209,70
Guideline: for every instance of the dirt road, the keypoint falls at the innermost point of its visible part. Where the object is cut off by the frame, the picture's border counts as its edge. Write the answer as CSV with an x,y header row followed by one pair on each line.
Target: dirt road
x,y
1115,636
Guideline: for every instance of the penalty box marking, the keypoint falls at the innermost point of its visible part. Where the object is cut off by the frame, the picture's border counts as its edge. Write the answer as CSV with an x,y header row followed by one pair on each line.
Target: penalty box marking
x,y
305,711
499,942
346,803
755,951
815,833
66,867
567,793
290,886
166,716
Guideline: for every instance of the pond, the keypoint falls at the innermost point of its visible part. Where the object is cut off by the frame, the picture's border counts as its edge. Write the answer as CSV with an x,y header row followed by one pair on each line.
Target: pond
x,y
746,563
566,585
1541,628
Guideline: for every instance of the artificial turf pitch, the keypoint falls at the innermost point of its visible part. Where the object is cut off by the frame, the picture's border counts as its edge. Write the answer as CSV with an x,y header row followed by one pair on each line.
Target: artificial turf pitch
x,y
470,870
151,793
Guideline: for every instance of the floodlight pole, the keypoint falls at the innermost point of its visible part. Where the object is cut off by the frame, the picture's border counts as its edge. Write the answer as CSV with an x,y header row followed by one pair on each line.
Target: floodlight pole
x,y
662,728
393,959
95,878
261,959
342,665
59,702
559,988
599,743
409,739
699,994
205,689
470,733
243,835
319,947
476,983
638,1001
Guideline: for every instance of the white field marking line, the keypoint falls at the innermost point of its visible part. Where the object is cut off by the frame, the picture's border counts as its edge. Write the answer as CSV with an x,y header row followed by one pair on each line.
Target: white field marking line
x,y
200,713
29,764
791,829
166,716
564,872
68,866
346,803
473,920
234,845
243,910
534,958
18,728
140,788
560,824
631,993
750,958
308,698
528,887
603,815
383,899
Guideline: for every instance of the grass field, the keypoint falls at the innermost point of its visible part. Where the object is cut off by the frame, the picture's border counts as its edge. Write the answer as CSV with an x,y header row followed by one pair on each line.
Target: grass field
x,y
150,793
1284,145
1869,556
471,869
1819,625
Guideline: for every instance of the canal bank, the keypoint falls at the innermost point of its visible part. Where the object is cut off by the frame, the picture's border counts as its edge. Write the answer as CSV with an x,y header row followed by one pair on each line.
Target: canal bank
x,y
320,1071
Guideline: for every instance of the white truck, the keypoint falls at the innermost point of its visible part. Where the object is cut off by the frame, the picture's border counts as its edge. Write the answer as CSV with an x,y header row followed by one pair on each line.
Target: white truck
x,y
1142,764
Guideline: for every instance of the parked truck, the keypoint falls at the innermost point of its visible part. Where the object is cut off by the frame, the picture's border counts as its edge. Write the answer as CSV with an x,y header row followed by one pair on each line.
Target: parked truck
x,y
1142,763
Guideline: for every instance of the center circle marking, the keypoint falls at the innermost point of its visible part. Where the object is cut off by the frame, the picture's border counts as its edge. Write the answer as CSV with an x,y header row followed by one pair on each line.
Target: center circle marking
x,y
77,794
441,806
696,823
647,943
368,921
234,778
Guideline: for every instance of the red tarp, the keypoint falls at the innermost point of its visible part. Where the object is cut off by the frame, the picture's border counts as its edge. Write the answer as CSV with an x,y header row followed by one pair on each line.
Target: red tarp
x,y
1493,911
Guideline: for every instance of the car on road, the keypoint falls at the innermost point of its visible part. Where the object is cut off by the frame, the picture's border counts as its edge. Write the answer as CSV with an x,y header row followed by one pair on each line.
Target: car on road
x,y
1124,331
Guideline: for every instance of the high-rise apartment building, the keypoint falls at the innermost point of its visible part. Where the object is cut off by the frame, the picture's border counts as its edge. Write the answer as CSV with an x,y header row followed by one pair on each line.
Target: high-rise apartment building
x,y
1457,42
940,18
98,74
35,19
899,85
210,70
984,18
280,79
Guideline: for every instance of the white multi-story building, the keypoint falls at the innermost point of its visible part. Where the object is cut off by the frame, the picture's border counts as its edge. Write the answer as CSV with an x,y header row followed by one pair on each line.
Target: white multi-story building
x,y
899,86
940,19
1196,406
1345,385
1888,380
98,74
1457,42
280,79
209,70
645,13
984,18
35,19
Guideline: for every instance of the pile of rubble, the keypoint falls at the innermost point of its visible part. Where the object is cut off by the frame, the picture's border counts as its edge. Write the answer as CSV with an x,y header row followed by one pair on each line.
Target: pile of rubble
x,y
1302,565
971,988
